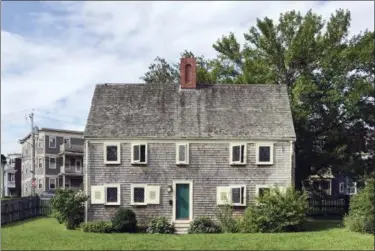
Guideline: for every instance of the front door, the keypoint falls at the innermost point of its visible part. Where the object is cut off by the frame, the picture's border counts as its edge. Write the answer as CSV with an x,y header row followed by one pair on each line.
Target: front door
x,y
182,201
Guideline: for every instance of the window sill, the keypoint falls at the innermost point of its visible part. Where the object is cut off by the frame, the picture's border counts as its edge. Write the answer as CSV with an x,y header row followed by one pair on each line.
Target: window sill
x,y
264,163
139,204
112,204
237,164
182,163
139,163
112,162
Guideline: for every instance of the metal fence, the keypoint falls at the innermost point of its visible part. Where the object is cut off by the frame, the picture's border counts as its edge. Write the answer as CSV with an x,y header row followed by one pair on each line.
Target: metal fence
x,y
329,206
24,208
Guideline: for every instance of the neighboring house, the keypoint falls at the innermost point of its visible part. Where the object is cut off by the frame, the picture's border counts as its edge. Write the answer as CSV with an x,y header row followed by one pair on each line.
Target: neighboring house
x,y
329,184
12,175
180,151
58,161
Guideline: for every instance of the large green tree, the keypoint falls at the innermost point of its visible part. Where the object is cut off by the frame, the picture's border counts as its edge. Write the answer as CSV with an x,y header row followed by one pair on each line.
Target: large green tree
x,y
330,78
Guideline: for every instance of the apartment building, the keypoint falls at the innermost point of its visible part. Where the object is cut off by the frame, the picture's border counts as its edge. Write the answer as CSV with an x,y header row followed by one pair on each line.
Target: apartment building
x,y
58,161
12,175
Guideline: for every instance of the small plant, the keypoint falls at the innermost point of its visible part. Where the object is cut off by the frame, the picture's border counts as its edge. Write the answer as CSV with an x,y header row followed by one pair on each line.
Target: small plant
x,y
68,207
361,216
97,227
124,221
160,225
276,211
226,221
203,225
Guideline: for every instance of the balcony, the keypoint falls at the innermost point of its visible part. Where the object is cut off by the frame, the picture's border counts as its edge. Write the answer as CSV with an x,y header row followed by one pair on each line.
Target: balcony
x,y
71,170
11,184
71,149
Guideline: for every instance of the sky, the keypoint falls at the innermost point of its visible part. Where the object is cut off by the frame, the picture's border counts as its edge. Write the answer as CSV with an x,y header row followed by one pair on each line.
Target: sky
x,y
54,53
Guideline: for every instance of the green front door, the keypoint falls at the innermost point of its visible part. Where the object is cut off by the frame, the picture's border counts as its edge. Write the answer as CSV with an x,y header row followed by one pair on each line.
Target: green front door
x,y
182,201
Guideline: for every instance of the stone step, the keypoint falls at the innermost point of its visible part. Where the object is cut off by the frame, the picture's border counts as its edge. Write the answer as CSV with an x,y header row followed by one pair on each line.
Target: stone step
x,y
181,228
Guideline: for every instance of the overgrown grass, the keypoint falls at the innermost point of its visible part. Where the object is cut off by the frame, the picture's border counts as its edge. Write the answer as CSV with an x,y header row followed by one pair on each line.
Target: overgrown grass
x,y
47,234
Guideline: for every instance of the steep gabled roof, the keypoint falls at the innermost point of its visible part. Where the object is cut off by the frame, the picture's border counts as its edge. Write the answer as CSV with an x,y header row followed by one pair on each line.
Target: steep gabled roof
x,y
209,111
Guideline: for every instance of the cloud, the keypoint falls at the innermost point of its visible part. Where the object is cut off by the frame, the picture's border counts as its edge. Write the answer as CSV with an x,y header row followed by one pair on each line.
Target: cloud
x,y
72,46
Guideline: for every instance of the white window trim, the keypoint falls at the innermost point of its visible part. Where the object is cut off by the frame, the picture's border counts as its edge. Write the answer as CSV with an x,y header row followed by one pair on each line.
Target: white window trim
x,y
49,183
132,153
132,186
186,162
118,145
260,144
231,154
118,194
244,196
50,163
355,188
342,187
40,161
257,187
40,182
49,141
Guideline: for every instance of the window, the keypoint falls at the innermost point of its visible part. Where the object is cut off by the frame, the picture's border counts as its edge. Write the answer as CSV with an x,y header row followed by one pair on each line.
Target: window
x,y
112,153
40,183
139,154
261,190
67,184
52,142
78,165
238,154
67,141
182,154
40,163
264,153
352,188
97,195
234,195
142,194
10,176
52,163
112,194
52,183
40,143
341,187
323,186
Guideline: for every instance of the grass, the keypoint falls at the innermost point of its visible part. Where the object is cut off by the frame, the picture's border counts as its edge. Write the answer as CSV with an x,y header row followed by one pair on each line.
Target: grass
x,y
47,234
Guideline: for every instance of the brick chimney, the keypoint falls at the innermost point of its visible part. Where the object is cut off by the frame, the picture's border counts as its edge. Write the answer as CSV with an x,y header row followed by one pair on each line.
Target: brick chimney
x,y
188,73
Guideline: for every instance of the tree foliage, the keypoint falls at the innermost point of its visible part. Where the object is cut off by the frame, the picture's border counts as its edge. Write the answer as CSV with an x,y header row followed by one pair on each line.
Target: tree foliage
x,y
330,79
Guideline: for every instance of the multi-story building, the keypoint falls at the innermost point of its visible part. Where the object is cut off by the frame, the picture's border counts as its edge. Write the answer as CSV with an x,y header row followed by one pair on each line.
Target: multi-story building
x,y
58,161
12,175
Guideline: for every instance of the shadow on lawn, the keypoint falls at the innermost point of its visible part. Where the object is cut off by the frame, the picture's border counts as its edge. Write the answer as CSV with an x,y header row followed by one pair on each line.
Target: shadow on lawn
x,y
322,225
21,222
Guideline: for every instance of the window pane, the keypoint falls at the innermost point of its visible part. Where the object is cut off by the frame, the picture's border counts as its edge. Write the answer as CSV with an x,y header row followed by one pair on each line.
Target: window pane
x,y
242,153
136,152
143,153
263,191
236,153
139,194
111,194
181,153
242,195
236,195
264,153
111,153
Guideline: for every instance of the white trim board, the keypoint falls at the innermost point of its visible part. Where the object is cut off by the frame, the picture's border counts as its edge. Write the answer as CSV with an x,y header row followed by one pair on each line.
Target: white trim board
x,y
190,182
192,140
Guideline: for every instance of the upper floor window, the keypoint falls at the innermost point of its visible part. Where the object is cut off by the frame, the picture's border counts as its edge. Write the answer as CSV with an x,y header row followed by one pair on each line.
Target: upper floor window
x,y
52,141
182,154
40,163
238,154
52,163
112,153
139,154
264,154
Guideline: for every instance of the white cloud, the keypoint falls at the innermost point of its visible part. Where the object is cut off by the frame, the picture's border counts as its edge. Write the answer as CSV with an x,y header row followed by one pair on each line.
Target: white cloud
x,y
80,44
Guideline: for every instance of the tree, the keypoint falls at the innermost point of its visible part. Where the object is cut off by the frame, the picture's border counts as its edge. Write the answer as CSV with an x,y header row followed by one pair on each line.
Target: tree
x,y
330,79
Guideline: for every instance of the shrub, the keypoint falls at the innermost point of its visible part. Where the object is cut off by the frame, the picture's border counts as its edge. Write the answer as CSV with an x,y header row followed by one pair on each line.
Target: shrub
x,y
68,207
276,211
97,227
361,216
226,221
203,225
160,225
124,221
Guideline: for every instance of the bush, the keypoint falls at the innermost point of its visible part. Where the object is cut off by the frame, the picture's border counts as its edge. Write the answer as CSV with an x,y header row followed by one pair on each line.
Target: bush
x,y
276,212
124,221
203,225
361,216
97,227
226,221
68,207
160,225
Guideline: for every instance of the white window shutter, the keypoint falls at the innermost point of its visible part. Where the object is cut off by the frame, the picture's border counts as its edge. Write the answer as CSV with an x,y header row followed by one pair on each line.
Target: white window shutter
x,y
223,195
153,195
97,195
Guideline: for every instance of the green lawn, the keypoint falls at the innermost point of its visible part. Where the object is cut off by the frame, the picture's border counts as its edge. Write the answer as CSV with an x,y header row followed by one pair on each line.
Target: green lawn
x,y
46,233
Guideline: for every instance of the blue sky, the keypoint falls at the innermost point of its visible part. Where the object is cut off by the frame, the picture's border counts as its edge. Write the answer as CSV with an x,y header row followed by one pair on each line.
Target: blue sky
x,y
53,53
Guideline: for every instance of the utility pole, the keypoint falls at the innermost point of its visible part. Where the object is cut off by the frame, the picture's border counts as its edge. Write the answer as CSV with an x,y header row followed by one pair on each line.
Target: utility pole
x,y
31,116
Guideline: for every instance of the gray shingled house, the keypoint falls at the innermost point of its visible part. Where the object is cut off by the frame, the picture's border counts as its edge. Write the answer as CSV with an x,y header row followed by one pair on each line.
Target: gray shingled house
x,y
182,150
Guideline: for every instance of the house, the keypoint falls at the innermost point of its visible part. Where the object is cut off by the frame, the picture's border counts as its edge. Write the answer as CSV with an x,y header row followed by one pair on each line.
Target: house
x,y
180,151
58,161
326,183
12,175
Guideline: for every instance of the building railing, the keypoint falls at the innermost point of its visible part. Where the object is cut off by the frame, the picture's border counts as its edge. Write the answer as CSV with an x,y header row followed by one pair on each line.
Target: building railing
x,y
71,148
71,169
11,184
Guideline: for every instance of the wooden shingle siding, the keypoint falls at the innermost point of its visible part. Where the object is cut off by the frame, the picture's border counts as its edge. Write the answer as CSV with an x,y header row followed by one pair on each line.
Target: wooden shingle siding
x,y
208,168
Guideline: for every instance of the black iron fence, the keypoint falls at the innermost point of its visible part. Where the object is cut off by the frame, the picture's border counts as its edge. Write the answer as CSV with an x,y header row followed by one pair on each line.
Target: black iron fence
x,y
24,208
328,206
